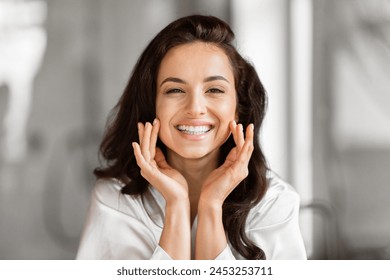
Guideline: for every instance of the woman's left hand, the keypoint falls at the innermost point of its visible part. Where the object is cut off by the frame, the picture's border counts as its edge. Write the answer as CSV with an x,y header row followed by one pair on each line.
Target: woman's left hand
x,y
222,181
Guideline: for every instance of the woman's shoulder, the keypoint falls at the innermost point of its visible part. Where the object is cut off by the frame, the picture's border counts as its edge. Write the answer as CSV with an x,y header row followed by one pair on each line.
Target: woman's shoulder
x,y
107,191
277,187
279,204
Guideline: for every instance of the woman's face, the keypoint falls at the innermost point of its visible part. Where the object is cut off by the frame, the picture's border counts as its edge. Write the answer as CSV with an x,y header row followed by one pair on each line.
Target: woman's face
x,y
196,99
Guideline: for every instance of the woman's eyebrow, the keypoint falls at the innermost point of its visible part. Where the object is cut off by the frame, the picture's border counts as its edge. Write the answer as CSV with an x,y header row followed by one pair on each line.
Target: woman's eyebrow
x,y
207,79
173,79
215,78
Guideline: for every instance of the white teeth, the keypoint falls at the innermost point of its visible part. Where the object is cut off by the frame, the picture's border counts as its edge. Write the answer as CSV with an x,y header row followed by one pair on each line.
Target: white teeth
x,y
188,129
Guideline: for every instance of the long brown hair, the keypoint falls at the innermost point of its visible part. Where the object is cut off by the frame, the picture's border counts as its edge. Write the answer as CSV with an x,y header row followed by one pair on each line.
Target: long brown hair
x,y
137,104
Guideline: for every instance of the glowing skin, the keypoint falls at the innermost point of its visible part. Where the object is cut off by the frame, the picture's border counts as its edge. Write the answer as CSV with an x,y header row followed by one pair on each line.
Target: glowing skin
x,y
196,100
195,112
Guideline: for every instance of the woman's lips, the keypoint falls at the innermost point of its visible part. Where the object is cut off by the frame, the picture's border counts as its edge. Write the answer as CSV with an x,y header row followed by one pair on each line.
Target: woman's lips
x,y
194,129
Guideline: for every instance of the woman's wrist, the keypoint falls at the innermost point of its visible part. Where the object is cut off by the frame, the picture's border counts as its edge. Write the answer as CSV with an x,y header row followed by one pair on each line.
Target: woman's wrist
x,y
176,235
207,206
209,202
210,235
174,205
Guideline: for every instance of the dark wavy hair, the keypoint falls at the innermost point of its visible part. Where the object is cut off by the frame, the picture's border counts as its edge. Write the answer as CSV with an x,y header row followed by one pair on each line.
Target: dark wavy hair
x,y
138,104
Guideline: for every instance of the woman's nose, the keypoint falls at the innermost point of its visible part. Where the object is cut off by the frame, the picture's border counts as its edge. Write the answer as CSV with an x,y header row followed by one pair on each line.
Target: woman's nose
x,y
196,105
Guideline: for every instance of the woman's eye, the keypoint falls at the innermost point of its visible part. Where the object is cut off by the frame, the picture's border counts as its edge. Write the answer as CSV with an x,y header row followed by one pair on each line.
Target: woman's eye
x,y
174,90
215,90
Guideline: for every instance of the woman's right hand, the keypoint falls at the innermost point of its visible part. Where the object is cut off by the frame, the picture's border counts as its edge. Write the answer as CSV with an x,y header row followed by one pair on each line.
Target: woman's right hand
x,y
154,167
176,235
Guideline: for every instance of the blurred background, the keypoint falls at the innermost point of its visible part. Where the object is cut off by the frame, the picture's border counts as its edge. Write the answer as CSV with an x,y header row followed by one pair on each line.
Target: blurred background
x,y
324,63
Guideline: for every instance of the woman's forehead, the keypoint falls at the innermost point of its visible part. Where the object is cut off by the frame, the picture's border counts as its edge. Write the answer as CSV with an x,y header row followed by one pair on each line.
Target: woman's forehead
x,y
198,59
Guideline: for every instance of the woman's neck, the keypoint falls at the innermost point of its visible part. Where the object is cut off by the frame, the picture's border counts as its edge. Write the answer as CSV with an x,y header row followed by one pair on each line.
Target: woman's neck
x,y
195,171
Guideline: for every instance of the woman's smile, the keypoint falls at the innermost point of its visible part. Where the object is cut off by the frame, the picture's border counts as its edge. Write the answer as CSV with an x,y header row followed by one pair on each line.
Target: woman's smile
x,y
194,130
196,100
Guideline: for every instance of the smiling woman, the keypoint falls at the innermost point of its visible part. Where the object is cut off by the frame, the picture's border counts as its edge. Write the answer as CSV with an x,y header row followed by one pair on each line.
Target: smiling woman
x,y
195,101
185,177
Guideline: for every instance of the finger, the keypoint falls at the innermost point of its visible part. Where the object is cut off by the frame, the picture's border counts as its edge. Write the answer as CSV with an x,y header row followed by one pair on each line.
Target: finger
x,y
233,126
138,155
140,131
248,147
145,144
153,138
146,169
250,137
240,136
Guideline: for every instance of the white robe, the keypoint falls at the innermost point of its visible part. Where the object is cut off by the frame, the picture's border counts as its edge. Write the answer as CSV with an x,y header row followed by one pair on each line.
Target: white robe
x,y
128,227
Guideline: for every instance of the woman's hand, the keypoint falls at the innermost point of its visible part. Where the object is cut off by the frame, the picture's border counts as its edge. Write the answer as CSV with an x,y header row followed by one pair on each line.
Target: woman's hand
x,y
154,168
222,181
218,185
176,235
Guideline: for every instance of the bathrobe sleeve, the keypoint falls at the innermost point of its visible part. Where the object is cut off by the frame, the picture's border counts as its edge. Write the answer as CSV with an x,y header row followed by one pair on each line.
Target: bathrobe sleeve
x,y
110,233
273,225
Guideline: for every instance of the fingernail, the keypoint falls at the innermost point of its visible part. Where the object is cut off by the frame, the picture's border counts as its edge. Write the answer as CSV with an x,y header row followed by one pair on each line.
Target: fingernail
x,y
154,121
139,125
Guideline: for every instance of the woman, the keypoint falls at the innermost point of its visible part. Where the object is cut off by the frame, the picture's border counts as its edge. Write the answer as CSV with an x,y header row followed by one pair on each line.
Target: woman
x,y
185,176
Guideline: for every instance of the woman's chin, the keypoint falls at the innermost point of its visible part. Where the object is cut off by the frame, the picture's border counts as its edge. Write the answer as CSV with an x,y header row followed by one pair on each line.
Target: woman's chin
x,y
194,154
